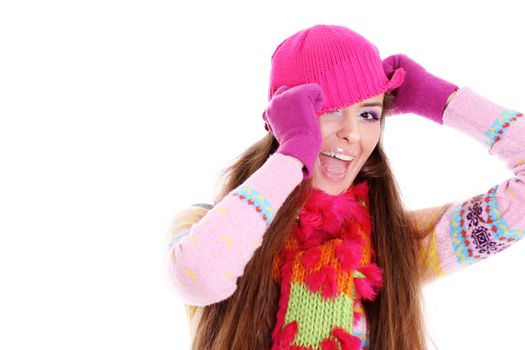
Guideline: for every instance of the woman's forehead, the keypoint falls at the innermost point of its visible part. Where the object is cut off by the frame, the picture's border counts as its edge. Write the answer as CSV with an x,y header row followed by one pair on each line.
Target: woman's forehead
x,y
377,98
372,101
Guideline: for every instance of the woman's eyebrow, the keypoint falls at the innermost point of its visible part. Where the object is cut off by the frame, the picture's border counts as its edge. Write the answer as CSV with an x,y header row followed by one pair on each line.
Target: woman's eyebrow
x,y
370,104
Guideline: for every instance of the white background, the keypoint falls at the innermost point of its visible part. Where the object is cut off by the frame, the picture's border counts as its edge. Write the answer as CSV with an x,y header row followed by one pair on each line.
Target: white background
x,y
117,114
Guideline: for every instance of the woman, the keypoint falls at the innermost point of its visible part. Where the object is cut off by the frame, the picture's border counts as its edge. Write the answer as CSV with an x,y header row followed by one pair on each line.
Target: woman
x,y
308,245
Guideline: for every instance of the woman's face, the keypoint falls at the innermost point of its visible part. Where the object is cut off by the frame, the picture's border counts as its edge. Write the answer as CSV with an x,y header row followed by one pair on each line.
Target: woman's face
x,y
353,130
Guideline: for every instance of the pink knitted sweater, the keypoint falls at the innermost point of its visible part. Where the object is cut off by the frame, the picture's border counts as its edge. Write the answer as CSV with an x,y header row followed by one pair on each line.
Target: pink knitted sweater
x,y
208,247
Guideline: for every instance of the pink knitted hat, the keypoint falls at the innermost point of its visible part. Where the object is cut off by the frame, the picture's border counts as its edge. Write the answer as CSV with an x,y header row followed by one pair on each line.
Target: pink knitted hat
x,y
346,65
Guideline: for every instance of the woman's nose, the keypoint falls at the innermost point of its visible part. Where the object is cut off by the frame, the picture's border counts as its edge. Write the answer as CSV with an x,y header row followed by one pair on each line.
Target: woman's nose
x,y
349,129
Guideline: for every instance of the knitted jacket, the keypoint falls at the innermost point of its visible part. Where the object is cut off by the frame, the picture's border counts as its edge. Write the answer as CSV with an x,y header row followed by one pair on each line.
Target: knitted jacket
x,y
209,246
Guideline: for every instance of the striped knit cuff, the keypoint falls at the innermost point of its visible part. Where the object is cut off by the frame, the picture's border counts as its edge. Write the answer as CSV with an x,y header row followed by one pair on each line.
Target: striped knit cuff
x,y
276,179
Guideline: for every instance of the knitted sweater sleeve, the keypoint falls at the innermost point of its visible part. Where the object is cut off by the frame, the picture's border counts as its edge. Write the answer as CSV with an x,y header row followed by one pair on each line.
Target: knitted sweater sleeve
x,y
209,247
483,225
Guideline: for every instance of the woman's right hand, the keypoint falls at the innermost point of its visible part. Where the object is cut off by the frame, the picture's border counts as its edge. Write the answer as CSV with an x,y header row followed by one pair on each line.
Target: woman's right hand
x,y
292,118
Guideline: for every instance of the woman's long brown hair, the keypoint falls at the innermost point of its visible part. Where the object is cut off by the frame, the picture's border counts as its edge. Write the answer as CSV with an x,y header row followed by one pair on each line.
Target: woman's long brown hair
x,y
245,320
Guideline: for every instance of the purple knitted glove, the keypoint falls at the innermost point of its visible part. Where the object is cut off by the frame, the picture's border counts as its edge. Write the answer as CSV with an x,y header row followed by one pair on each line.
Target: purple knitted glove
x,y
421,93
292,118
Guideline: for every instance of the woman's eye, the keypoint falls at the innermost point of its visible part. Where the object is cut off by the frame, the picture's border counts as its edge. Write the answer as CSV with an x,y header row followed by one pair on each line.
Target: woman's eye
x,y
372,116
368,115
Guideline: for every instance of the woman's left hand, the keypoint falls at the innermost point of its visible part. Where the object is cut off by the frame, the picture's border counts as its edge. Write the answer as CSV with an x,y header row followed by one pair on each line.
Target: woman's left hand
x,y
420,93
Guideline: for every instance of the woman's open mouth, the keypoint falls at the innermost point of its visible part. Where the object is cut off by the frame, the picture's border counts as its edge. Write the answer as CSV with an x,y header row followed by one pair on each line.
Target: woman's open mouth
x,y
333,168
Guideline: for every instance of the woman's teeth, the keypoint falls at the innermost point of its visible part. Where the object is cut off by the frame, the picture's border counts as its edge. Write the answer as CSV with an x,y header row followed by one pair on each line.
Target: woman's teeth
x,y
338,156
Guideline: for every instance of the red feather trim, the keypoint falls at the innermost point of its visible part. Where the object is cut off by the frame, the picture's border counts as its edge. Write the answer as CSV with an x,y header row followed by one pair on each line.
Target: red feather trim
x,y
287,334
311,257
324,215
369,287
348,341
329,344
324,279
349,254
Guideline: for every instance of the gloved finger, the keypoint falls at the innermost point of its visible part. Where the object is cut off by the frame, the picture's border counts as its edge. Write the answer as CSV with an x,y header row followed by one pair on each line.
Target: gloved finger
x,y
388,65
280,90
266,123
393,62
316,96
396,80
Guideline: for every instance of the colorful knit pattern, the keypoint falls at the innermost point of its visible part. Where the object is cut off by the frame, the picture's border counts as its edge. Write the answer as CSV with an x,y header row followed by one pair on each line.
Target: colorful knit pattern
x,y
501,123
260,204
325,269
478,228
